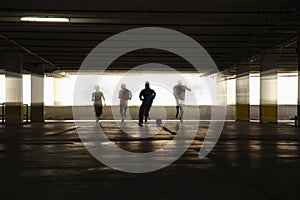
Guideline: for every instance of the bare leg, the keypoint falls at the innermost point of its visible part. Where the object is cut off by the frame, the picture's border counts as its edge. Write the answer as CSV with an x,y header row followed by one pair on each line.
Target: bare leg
x,y
181,112
122,111
177,111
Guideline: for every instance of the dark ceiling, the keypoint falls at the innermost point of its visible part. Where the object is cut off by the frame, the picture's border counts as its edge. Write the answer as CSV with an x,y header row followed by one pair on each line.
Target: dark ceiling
x,y
232,31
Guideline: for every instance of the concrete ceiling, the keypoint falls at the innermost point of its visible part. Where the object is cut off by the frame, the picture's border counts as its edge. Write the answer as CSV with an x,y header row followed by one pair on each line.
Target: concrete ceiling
x,y
233,31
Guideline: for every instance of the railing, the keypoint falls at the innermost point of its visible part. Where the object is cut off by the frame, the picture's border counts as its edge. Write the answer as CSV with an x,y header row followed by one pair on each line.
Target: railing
x,y
2,115
26,114
296,121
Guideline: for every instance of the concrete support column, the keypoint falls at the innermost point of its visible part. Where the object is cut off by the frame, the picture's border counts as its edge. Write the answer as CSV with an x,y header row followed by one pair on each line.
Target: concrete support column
x,y
13,88
298,105
37,94
221,90
268,88
218,109
242,94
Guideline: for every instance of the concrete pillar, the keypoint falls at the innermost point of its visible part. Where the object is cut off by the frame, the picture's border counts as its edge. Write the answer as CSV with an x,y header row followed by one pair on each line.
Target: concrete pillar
x,y
221,90
298,105
37,94
13,88
218,109
268,88
242,94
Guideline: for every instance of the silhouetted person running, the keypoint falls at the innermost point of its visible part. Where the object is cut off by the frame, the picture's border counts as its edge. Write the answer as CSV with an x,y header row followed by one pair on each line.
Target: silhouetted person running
x,y
124,96
179,93
147,95
97,97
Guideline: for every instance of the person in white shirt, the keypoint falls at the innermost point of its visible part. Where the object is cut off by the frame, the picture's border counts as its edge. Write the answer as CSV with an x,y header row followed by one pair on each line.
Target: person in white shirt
x,y
97,97
124,96
179,94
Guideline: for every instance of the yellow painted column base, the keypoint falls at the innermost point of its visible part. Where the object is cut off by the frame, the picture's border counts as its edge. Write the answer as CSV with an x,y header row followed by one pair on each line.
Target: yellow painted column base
x,y
37,112
268,113
298,114
242,112
14,113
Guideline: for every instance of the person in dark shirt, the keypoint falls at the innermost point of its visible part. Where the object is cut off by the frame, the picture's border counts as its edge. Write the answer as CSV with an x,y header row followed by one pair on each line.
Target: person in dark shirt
x,y
147,96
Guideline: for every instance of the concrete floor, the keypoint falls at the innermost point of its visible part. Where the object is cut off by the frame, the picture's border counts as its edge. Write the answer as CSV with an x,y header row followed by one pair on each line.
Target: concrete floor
x,y
250,161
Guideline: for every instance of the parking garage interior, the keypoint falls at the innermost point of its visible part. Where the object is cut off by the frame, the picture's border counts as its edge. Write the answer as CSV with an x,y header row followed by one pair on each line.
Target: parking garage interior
x,y
237,139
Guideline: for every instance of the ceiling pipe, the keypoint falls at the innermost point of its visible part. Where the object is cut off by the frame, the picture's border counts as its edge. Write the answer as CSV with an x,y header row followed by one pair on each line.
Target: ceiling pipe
x,y
27,50
256,57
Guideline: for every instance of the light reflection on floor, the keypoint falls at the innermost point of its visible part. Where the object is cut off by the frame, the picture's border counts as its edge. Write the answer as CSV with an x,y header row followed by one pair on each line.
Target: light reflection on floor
x,y
49,161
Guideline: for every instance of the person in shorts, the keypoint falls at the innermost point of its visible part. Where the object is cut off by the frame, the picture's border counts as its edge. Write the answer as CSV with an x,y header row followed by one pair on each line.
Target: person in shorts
x,y
124,96
179,94
97,98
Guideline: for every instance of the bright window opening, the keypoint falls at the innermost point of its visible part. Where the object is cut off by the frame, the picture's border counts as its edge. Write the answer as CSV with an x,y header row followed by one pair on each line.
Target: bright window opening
x,y
27,89
231,90
254,89
2,88
287,88
203,89
48,91
60,91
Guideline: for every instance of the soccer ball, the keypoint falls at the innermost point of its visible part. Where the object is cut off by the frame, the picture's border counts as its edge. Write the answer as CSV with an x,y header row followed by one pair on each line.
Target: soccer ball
x,y
158,122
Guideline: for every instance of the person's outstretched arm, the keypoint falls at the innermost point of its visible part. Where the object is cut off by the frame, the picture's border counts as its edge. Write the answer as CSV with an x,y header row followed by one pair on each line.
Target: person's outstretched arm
x,y
103,98
130,95
93,96
154,94
175,93
188,88
141,95
120,94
